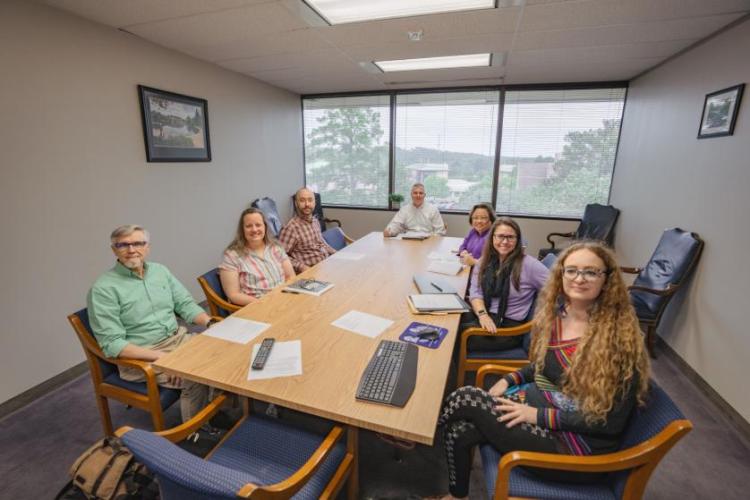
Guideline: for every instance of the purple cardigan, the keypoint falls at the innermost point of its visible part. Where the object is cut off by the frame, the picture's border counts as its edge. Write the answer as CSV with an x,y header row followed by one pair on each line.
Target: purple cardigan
x,y
533,276
474,243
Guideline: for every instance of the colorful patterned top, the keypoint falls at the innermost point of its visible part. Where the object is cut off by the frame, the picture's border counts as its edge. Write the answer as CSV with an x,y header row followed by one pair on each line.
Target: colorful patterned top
x,y
258,275
560,413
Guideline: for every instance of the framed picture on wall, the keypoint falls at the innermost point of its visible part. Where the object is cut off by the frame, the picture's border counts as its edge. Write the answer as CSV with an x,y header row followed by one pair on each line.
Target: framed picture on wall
x,y
720,112
175,126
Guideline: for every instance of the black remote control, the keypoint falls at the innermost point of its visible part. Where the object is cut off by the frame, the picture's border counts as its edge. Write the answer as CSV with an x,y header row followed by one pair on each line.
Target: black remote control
x,y
262,356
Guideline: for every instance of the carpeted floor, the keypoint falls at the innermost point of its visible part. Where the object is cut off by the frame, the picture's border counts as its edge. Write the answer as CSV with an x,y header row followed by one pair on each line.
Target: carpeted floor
x,y
39,442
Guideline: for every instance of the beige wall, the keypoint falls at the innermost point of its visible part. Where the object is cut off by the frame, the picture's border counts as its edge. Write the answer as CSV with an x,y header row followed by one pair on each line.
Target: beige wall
x,y
357,223
73,166
665,177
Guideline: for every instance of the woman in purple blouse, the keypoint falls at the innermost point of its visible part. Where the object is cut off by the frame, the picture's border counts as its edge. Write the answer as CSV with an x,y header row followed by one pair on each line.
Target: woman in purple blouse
x,y
504,284
481,217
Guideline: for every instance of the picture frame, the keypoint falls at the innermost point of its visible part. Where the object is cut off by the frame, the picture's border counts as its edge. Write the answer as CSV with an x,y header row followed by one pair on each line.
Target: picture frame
x,y
720,110
175,126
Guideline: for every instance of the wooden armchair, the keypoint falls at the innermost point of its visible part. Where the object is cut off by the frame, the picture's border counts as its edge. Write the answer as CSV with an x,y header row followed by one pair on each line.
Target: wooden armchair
x,y
218,303
673,261
259,458
470,361
147,396
649,435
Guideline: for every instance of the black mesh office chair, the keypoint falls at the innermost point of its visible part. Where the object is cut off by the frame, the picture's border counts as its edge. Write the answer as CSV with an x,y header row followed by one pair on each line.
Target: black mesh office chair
x,y
318,213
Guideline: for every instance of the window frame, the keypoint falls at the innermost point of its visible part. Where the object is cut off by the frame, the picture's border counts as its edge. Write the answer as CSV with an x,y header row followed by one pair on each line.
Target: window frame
x,y
502,89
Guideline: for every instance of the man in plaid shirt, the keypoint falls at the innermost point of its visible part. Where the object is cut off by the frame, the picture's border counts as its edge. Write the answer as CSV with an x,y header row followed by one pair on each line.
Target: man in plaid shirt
x,y
301,236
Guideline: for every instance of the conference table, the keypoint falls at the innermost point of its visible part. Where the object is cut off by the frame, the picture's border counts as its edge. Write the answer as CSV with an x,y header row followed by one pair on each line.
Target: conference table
x,y
376,279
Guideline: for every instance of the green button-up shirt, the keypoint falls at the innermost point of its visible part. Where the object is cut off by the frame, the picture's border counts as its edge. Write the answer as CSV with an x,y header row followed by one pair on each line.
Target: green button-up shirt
x,y
127,309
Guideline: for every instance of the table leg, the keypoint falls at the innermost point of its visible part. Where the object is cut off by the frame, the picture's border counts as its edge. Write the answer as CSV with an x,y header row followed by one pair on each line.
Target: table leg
x,y
352,445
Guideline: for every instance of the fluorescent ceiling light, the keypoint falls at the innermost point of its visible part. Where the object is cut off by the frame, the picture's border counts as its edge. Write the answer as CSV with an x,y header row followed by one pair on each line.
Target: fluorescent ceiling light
x,y
350,11
465,61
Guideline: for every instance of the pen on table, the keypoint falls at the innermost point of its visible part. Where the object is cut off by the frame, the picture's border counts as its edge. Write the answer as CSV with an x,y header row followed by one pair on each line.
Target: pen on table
x,y
438,288
289,291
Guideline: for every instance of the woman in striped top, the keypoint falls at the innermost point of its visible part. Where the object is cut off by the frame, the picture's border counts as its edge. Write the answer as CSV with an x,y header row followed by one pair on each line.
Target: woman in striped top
x,y
254,263
589,369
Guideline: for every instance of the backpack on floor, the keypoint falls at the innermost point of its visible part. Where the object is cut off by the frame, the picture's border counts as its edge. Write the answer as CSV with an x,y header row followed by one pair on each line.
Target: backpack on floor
x,y
108,471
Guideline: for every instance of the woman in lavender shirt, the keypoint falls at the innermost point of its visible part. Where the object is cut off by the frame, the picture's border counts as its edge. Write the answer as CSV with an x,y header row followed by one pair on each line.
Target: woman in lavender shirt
x,y
481,217
503,286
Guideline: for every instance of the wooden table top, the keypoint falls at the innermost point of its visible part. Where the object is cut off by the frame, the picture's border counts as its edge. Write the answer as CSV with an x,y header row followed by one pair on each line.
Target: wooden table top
x,y
334,359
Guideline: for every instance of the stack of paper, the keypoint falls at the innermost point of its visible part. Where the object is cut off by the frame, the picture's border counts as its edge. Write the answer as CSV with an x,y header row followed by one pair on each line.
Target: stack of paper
x,y
445,267
236,330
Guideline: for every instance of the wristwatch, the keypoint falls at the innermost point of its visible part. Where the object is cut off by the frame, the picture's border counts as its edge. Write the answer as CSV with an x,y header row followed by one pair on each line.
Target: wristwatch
x,y
481,312
211,322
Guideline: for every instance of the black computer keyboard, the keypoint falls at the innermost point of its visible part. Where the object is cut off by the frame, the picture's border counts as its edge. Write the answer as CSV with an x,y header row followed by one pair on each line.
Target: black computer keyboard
x,y
390,375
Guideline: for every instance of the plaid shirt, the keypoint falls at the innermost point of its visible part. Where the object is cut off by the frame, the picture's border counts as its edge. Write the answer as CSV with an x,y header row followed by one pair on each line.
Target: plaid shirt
x,y
304,242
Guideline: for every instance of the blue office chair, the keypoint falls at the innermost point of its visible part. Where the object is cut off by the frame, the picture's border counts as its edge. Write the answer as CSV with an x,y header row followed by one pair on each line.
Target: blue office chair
x,y
673,261
268,207
258,458
107,383
649,435
218,303
336,238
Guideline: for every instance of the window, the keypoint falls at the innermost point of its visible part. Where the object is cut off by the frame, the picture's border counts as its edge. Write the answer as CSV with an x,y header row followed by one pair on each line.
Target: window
x,y
347,141
556,153
558,150
447,142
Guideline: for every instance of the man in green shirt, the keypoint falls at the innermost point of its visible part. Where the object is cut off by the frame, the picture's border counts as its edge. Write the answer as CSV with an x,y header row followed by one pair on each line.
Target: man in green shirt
x,y
132,311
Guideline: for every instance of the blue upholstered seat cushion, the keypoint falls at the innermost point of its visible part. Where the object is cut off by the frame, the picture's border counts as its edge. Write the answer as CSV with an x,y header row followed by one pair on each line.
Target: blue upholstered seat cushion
x,y
260,451
166,396
525,484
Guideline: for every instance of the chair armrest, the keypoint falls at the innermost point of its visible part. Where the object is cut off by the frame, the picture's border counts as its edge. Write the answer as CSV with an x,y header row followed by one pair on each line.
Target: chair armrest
x,y
295,482
650,450
492,369
329,221
180,432
631,270
662,293
475,331
562,235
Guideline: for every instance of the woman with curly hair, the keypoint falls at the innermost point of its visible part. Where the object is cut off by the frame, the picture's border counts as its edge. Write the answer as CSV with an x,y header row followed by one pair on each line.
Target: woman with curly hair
x,y
589,369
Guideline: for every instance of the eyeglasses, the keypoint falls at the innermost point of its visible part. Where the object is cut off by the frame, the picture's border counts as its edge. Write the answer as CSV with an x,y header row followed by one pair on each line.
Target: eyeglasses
x,y
479,218
571,273
504,237
122,245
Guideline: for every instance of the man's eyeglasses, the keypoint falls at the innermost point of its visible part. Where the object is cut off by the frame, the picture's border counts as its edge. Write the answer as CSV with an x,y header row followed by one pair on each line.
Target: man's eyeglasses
x,y
504,237
122,245
571,273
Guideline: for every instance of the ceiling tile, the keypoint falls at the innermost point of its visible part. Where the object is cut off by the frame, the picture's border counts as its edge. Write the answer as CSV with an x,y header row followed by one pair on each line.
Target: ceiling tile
x,y
218,28
564,71
605,54
678,29
607,12
121,13
255,45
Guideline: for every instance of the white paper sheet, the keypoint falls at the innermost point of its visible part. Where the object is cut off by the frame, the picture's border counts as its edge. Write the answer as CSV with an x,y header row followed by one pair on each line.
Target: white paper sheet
x,y
444,255
285,360
363,323
436,301
445,267
236,330
347,256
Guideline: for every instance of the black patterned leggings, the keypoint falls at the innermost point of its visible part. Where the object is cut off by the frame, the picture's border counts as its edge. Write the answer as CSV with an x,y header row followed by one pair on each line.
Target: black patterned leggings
x,y
470,420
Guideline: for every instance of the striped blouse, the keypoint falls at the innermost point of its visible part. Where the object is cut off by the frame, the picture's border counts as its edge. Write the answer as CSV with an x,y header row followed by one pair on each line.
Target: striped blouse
x,y
258,275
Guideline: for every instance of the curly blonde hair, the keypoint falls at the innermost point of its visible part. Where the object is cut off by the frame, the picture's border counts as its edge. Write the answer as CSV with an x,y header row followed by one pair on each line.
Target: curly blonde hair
x,y
610,353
